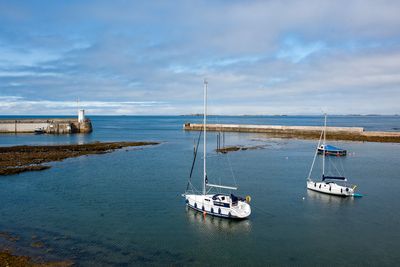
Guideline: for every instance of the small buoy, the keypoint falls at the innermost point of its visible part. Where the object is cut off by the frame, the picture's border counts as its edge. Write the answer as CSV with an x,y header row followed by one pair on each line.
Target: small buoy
x,y
304,198
287,157
248,199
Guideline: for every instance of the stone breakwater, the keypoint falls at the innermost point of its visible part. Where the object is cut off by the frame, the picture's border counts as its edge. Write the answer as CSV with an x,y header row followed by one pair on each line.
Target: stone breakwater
x,y
307,132
50,126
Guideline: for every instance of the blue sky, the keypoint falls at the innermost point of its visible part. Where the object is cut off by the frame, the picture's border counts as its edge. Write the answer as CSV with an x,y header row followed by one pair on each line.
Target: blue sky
x,y
150,57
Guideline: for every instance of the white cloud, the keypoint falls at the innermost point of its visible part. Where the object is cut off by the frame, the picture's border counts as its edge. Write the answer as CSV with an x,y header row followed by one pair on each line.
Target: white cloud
x,y
19,105
259,56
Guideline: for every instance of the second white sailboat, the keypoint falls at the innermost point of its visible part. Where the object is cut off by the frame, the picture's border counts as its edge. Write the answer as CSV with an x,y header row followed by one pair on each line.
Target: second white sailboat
x,y
329,184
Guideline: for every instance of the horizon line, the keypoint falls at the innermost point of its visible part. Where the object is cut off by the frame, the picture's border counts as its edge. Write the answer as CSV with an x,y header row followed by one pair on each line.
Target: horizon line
x,y
192,115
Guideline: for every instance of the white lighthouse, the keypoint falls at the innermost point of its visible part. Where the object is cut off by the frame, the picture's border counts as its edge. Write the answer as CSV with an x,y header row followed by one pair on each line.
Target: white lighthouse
x,y
81,115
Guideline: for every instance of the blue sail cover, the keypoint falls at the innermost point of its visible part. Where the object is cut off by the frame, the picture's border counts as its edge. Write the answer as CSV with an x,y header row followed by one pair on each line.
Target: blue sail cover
x,y
333,178
333,148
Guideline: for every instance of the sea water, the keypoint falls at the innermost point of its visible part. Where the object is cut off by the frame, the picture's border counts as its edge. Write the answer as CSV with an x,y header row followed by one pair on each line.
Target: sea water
x,y
125,208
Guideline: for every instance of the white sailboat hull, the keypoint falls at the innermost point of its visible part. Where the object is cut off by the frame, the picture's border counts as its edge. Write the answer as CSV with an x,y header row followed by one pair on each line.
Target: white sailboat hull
x,y
216,207
330,188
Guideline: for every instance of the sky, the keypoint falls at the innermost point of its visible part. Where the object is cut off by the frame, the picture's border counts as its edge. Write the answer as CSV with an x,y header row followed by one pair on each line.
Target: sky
x,y
151,57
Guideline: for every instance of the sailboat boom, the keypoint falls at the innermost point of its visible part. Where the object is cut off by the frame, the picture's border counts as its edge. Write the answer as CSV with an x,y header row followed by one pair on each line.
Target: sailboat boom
x,y
222,186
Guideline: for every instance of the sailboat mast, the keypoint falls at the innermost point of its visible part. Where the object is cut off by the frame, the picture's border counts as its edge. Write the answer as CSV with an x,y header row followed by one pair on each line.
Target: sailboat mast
x,y
205,138
324,151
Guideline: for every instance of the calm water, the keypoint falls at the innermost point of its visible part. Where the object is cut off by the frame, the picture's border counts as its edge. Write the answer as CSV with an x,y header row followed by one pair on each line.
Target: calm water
x,y
125,208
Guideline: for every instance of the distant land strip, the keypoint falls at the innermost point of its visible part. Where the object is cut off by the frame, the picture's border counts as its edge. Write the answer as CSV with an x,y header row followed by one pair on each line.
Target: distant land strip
x,y
303,132
17,159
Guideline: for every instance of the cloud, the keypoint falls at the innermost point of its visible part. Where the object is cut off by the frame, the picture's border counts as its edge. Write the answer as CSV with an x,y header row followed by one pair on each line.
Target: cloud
x,y
259,56
295,51
16,104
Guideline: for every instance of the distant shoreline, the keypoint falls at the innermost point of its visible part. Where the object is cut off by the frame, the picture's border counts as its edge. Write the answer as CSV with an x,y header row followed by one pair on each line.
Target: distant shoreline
x,y
289,115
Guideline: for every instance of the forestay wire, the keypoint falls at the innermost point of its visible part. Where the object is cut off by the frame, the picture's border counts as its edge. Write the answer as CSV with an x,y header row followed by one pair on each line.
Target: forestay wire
x,y
194,160
315,156
230,166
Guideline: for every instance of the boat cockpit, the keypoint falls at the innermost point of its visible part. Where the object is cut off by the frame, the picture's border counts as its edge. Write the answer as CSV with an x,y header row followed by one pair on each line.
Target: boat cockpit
x,y
226,200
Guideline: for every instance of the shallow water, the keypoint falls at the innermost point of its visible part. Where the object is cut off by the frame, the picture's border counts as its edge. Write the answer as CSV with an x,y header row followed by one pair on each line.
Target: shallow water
x,y
126,208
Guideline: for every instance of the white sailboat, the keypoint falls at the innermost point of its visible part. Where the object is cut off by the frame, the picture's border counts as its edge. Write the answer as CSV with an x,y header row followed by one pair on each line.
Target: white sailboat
x,y
220,205
331,185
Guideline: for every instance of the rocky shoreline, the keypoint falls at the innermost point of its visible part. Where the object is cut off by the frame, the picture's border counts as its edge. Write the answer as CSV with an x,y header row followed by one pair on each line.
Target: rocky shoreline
x,y
7,258
17,159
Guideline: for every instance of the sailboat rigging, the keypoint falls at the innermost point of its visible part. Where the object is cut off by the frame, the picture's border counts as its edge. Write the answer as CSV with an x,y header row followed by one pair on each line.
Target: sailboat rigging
x,y
220,204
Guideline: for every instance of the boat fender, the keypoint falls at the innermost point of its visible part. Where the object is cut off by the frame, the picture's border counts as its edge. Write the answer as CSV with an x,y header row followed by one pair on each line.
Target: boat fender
x,y
315,184
341,190
195,205
219,210
347,189
330,188
229,214
248,199
212,210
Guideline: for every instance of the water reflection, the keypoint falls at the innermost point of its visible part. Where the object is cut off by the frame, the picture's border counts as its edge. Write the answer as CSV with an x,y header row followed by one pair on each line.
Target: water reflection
x,y
81,139
212,224
328,199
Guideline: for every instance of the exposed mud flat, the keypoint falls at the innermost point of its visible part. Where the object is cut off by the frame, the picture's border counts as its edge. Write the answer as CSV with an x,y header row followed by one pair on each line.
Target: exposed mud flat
x,y
227,149
17,159
365,137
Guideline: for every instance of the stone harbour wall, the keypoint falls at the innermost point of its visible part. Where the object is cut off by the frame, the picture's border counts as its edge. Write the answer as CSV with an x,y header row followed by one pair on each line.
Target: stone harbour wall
x,y
50,126
333,133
